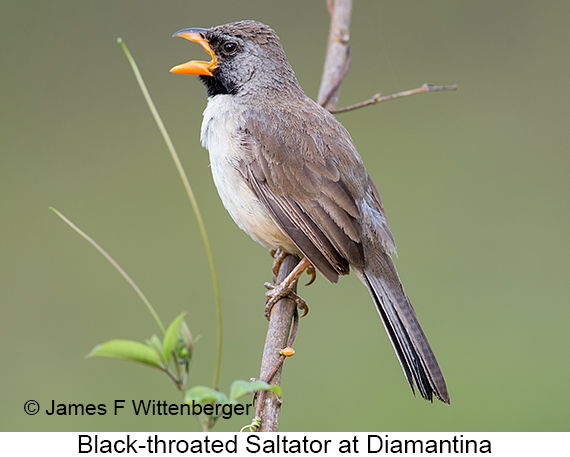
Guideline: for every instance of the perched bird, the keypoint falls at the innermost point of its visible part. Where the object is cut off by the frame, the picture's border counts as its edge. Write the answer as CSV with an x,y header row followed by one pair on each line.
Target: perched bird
x,y
290,176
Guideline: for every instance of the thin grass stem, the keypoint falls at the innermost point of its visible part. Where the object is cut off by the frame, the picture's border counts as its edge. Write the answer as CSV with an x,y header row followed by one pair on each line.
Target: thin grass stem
x,y
115,264
193,202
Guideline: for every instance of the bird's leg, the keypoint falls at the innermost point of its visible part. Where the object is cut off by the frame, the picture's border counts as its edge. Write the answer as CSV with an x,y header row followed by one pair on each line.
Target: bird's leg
x,y
285,289
278,256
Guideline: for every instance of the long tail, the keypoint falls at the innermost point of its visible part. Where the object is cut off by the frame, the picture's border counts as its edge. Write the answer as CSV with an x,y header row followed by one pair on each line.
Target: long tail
x,y
410,343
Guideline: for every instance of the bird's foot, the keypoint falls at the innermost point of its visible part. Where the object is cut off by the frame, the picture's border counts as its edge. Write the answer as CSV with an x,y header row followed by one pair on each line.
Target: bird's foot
x,y
278,256
278,291
285,289
313,273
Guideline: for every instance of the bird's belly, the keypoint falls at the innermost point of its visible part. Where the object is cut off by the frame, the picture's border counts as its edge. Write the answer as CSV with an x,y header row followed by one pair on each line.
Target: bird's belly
x,y
245,208
238,198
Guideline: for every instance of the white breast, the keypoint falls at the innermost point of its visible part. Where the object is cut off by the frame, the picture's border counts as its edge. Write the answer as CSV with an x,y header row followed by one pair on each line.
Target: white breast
x,y
220,137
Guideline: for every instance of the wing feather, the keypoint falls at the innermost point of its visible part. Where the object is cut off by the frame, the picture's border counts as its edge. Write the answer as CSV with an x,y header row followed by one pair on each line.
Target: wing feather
x,y
302,188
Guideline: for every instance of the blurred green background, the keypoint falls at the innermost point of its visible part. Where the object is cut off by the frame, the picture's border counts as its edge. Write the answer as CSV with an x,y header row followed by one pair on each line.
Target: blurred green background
x,y
475,184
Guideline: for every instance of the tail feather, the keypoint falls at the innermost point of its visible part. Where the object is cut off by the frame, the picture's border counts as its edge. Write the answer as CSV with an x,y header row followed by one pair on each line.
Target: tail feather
x,y
410,343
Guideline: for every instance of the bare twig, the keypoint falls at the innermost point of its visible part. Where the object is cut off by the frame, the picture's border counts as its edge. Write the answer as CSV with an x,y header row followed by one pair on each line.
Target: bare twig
x,y
377,98
269,404
337,54
282,357
330,6
336,65
335,88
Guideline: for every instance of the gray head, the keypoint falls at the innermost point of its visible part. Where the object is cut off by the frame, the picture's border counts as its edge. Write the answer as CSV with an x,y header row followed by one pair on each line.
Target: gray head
x,y
246,58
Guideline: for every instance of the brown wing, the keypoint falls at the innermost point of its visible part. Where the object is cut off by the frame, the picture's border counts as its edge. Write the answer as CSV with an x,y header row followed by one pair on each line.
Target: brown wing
x,y
297,173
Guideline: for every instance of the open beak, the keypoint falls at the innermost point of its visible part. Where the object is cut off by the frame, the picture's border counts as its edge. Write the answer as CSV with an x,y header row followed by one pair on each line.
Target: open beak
x,y
195,67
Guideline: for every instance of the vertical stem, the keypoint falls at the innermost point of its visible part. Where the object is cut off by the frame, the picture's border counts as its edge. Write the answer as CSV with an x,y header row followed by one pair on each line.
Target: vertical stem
x,y
277,337
338,52
336,63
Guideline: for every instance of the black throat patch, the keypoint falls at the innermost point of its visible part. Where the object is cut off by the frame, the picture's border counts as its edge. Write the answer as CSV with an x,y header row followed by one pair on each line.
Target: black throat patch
x,y
218,86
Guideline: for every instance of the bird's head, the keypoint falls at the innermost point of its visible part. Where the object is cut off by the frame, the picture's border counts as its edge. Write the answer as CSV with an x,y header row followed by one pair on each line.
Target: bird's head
x,y
246,58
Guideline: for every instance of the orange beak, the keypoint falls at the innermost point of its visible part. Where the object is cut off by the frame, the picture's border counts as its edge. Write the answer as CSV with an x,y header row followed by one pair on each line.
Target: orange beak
x,y
195,67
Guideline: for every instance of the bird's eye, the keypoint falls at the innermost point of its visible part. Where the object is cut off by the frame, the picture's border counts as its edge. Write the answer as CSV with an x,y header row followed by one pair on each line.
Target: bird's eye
x,y
230,47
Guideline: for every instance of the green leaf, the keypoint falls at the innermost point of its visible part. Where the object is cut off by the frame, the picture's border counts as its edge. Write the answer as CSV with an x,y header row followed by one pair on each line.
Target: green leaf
x,y
240,388
202,394
128,350
154,343
171,337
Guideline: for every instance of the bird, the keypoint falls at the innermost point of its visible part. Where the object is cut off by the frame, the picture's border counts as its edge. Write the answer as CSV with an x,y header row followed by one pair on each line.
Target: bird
x,y
291,177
